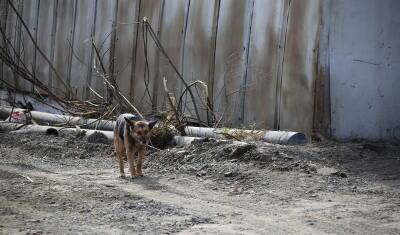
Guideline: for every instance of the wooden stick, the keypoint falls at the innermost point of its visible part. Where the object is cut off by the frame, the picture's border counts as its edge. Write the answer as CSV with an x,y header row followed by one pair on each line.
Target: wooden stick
x,y
174,109
111,85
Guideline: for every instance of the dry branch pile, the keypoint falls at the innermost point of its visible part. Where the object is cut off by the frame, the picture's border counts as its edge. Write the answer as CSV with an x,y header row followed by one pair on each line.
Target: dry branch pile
x,y
113,102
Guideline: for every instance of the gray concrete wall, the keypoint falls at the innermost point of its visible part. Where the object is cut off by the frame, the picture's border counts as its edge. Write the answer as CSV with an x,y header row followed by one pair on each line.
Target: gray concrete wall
x,y
365,69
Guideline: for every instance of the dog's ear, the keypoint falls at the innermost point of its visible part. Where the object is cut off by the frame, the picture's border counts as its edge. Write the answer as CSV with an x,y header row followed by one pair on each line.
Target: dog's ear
x,y
130,122
152,124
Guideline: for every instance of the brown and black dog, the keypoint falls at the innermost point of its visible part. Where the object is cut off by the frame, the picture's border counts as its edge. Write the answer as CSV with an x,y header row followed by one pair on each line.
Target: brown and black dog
x,y
131,134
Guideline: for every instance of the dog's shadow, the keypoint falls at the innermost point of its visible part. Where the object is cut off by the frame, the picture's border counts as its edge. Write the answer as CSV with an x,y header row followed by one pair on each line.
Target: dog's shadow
x,y
149,183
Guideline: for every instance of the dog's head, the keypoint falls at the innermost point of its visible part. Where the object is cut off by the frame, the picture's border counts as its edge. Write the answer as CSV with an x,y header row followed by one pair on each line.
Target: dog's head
x,y
140,130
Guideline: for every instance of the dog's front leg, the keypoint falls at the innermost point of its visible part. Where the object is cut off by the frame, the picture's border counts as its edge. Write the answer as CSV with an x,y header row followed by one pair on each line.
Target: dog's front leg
x,y
142,152
129,156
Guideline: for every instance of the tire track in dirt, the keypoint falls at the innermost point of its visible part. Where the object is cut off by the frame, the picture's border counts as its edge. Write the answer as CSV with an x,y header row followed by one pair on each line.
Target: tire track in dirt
x,y
227,214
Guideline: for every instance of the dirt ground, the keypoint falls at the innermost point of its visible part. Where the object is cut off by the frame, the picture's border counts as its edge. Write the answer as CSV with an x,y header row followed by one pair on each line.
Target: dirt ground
x,y
65,185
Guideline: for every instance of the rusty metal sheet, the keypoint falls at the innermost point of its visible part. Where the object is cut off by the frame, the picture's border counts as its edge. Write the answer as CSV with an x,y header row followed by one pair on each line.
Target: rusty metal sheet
x,y
172,28
197,49
47,9
299,66
141,95
322,101
125,42
230,58
263,59
103,36
81,63
62,50
30,16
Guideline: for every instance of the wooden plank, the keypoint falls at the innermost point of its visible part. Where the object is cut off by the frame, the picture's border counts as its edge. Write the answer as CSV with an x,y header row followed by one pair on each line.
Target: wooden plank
x,y
3,25
299,67
63,40
142,93
82,46
13,29
261,80
125,43
172,34
105,16
30,16
44,38
197,50
230,59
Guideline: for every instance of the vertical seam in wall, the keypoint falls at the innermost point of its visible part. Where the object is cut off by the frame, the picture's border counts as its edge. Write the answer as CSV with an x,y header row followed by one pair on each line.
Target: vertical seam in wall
x,y
213,48
36,28
316,124
328,77
53,41
113,41
134,50
156,79
187,9
89,69
18,41
327,93
72,46
244,79
281,61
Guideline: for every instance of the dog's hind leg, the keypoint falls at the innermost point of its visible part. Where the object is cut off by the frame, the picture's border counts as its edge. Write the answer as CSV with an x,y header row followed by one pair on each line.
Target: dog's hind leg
x,y
119,150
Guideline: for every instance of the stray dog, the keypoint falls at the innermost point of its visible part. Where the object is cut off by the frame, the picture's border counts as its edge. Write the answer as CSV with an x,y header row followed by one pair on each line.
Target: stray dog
x,y
131,134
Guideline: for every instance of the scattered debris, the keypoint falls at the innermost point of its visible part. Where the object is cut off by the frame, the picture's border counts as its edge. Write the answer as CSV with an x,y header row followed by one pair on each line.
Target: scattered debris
x,y
228,174
327,171
26,177
331,171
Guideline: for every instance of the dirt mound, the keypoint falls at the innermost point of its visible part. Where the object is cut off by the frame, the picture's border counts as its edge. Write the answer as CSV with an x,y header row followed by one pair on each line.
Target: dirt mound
x,y
212,156
64,149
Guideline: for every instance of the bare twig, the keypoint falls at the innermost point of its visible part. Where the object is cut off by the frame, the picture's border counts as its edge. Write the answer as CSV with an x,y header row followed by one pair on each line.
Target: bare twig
x,y
161,48
26,177
173,107
113,87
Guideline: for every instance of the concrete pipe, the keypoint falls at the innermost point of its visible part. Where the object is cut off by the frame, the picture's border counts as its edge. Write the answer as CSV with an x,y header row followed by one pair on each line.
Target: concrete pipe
x,y
285,137
275,137
54,119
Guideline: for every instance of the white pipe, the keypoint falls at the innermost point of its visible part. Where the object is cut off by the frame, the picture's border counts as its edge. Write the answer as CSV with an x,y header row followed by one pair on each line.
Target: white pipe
x,y
185,140
275,137
49,118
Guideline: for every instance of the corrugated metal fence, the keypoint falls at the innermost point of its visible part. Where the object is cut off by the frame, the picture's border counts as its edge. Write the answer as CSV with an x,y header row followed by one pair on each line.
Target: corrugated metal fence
x,y
259,58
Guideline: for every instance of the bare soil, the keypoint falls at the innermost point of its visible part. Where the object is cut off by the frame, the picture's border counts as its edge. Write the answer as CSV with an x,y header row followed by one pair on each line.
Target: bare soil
x,y
67,185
